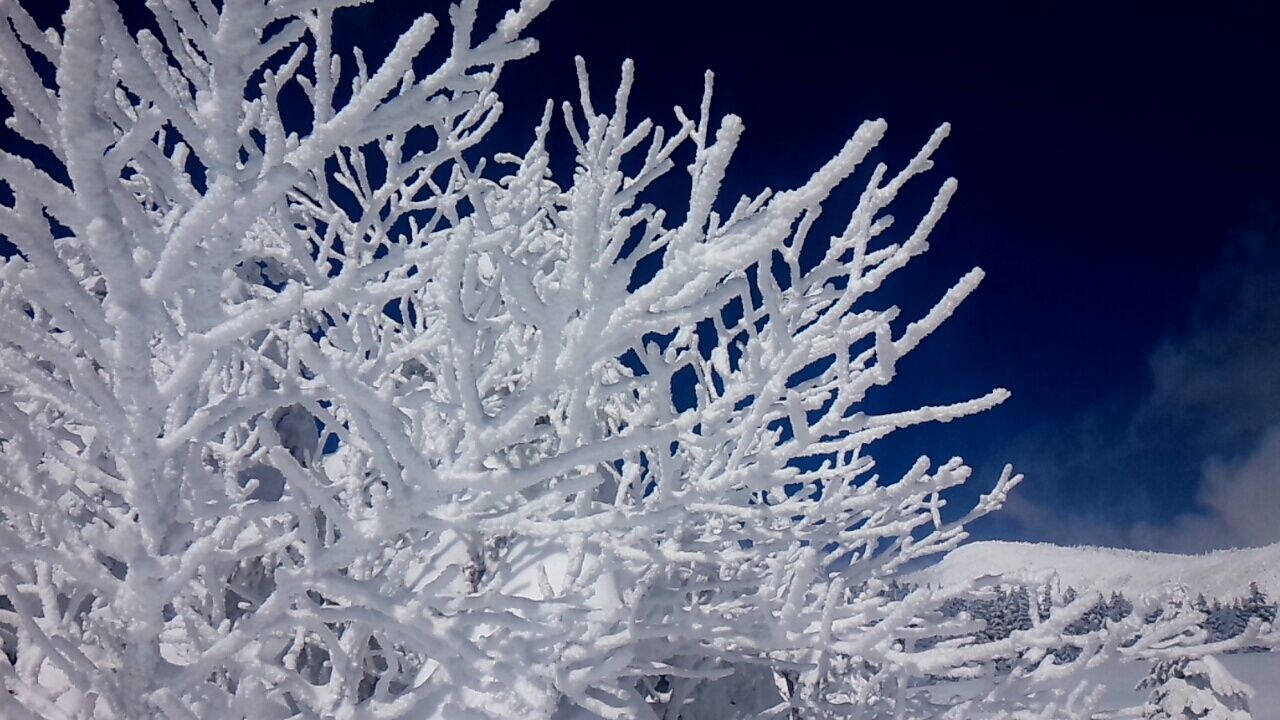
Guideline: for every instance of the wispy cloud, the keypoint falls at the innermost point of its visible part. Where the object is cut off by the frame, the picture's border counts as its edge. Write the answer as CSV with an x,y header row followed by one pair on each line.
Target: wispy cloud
x,y
1240,506
1212,416
1220,383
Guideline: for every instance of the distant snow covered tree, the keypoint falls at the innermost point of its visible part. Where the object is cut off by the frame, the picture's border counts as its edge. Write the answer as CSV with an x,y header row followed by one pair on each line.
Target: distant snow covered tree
x,y
1044,601
1225,620
1257,605
311,406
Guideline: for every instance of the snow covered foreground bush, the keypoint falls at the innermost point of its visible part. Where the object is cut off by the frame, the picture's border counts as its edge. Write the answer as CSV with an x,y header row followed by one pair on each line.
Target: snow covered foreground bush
x,y
307,411
1201,688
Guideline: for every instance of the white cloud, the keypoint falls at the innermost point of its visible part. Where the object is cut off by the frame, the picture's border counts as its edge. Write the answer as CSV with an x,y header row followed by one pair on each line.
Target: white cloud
x,y
1214,404
1241,506
1220,382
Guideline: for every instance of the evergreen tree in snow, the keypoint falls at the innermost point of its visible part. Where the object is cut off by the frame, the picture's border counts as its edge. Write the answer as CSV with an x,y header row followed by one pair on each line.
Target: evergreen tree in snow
x,y
325,407
1228,620
1118,607
1188,689
1257,605
1225,621
1044,602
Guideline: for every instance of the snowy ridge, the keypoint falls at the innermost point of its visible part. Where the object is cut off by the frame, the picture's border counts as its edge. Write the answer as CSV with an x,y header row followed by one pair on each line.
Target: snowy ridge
x,y
1222,574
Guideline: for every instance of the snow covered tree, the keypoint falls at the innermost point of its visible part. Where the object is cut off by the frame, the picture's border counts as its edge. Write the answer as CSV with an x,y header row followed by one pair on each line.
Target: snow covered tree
x,y
311,405
1257,605
1186,689
1044,601
1118,607
1225,621
1230,619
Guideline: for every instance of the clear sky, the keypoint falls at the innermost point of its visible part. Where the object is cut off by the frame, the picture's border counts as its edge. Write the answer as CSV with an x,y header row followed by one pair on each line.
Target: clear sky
x,y
1119,181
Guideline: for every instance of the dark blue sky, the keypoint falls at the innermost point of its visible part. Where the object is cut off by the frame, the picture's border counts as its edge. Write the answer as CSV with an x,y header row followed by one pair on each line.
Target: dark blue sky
x,y
1118,181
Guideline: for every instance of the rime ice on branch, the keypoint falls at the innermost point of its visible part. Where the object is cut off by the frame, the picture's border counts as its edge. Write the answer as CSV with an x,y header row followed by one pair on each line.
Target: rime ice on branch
x,y
318,415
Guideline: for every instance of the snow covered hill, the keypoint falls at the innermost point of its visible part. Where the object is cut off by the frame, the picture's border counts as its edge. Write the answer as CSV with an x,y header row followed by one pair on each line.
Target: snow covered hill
x,y
1224,574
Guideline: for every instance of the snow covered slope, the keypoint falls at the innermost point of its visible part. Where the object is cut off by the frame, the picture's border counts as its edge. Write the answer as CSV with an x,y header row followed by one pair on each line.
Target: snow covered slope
x,y
1260,671
1224,574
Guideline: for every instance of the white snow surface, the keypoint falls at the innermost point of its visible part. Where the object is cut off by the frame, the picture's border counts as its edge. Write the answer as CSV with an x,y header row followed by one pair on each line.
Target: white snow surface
x,y
1260,671
1221,574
